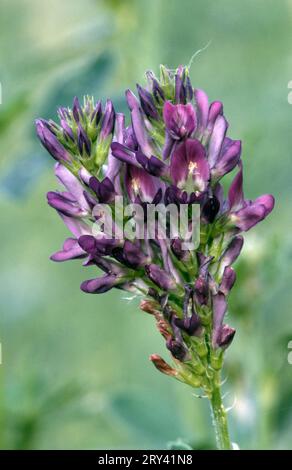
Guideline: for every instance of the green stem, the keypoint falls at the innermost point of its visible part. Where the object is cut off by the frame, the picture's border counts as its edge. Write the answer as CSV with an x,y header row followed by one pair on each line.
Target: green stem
x,y
219,418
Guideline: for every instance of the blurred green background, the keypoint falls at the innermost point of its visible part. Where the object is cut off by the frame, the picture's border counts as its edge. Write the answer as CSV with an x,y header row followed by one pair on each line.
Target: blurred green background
x,y
75,370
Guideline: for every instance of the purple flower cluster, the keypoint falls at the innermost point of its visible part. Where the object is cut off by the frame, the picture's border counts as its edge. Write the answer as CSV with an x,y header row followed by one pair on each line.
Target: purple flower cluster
x,y
175,151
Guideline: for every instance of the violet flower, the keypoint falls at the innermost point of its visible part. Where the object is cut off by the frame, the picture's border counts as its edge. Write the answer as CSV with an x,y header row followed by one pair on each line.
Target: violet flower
x,y
175,151
83,136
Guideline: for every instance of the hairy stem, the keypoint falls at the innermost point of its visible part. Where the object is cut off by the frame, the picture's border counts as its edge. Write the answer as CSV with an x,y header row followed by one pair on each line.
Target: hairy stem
x,y
219,417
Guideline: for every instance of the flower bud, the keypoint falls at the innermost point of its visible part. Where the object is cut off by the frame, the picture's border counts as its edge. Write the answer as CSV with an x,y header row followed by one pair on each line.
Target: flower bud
x,y
147,103
177,349
160,277
150,306
228,280
162,366
51,143
180,120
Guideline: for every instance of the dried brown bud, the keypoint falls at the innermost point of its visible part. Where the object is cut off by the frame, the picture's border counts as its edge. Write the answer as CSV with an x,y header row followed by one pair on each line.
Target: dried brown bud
x,y
164,328
162,366
150,306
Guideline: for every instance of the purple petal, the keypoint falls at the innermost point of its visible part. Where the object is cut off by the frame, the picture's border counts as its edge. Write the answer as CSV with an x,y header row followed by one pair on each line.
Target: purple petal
x,y
219,310
71,250
97,113
120,128
147,103
160,277
228,280
211,209
152,165
179,165
108,121
248,217
124,154
98,246
177,349
168,146
204,263
63,204
69,243
232,251
91,201
177,249
138,124
219,194
77,111
104,190
130,140
131,100
253,212
229,157
133,254
197,156
189,89
156,88
84,144
235,193
201,290
76,226
100,284
180,90
216,140
189,160
84,175
202,282
191,325
51,143
71,183
226,336
139,182
88,243
202,102
216,108
63,113
180,120
268,201
67,131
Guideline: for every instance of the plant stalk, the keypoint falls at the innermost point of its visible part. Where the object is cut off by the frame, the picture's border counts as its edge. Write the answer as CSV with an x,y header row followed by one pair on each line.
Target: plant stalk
x,y
219,417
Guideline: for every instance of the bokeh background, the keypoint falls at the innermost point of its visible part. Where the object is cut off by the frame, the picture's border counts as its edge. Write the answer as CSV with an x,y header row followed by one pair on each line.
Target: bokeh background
x,y
75,371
